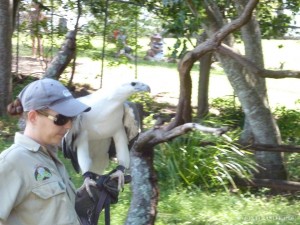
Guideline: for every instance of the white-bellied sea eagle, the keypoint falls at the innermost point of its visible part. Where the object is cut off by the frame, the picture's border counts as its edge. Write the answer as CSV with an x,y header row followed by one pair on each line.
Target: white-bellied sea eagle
x,y
111,118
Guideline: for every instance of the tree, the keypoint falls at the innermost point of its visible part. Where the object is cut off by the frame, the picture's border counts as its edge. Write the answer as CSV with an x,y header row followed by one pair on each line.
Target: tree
x,y
250,88
6,30
251,91
260,125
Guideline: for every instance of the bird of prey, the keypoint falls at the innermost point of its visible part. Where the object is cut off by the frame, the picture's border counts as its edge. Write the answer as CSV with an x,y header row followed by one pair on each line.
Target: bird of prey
x,y
111,119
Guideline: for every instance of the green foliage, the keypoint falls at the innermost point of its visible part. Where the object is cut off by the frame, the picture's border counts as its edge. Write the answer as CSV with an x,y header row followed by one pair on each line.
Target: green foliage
x,y
292,164
85,47
19,84
227,112
143,99
185,161
288,121
8,127
274,22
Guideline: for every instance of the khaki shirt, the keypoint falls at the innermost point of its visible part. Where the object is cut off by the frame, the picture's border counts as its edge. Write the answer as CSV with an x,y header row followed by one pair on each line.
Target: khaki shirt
x,y
34,187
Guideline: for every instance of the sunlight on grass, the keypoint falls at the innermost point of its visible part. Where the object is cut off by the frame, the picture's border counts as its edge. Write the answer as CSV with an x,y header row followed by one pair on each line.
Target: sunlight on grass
x,y
164,77
198,208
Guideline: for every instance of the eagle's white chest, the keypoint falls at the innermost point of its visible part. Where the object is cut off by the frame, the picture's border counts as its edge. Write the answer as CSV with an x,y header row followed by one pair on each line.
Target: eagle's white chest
x,y
104,123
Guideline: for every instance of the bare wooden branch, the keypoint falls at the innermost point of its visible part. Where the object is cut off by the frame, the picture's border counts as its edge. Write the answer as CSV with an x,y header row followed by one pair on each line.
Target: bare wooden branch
x,y
282,185
274,148
193,8
253,68
155,136
184,110
211,44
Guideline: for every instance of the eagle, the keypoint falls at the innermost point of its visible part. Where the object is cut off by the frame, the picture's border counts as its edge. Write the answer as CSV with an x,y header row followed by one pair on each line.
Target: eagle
x,y
112,120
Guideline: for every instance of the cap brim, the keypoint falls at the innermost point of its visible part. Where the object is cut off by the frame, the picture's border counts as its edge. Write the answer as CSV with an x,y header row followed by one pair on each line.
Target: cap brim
x,y
70,107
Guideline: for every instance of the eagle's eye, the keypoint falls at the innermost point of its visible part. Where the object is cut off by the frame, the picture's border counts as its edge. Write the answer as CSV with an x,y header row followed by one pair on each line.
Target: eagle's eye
x,y
133,83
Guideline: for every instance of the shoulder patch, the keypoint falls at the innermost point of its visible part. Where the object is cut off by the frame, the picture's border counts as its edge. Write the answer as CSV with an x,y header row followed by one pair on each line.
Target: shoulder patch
x,y
42,173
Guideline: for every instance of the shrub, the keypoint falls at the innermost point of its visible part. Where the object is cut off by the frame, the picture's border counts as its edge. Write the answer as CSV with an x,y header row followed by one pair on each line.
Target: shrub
x,y
184,162
288,121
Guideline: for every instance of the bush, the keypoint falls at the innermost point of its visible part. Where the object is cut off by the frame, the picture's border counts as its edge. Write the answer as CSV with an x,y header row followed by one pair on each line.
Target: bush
x,y
226,112
288,121
186,162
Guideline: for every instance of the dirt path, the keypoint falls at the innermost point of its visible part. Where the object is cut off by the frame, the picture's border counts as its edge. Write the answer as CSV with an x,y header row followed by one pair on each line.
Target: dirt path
x,y
164,82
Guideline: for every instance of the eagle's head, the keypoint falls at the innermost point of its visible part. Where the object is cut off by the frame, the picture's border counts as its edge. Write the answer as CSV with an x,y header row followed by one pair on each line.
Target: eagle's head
x,y
132,87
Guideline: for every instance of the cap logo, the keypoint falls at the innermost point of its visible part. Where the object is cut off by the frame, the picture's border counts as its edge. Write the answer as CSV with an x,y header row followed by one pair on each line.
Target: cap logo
x,y
66,93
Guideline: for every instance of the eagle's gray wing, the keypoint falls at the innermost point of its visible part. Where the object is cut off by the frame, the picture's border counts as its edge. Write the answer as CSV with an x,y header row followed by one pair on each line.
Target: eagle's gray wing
x,y
132,120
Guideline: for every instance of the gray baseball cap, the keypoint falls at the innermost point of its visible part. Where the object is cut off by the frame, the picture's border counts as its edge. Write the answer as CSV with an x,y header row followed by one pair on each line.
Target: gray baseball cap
x,y
49,93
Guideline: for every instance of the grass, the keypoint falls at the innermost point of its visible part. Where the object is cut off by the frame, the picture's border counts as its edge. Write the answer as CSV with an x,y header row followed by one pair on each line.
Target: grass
x,y
195,207
201,208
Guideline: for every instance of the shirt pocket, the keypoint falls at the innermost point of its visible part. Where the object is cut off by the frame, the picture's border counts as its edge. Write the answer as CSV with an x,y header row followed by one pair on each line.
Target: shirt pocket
x,y
49,189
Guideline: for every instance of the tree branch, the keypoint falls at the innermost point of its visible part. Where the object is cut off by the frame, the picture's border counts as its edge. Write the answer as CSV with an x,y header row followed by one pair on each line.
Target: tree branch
x,y
184,111
274,184
192,7
274,148
211,44
156,136
253,68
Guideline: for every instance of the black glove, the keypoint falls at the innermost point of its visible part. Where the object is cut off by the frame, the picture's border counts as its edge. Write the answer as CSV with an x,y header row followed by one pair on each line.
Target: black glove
x,y
105,193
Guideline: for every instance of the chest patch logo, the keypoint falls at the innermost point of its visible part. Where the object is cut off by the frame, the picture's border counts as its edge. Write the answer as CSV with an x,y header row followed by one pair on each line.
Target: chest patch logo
x,y
42,173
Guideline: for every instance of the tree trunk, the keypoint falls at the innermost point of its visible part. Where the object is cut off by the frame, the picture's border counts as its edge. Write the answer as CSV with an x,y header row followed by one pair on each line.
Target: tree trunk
x,y
259,117
144,188
143,207
6,30
63,57
275,185
203,85
253,50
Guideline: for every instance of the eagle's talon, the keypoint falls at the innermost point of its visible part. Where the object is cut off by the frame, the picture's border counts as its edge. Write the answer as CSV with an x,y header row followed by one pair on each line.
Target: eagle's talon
x,y
121,179
86,184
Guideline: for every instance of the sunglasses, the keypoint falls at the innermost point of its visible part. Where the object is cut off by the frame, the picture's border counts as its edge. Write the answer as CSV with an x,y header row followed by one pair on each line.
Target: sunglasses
x,y
59,120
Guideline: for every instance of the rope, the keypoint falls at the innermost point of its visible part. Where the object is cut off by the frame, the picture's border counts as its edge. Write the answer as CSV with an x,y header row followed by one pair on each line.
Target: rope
x,y
136,44
18,43
52,28
104,40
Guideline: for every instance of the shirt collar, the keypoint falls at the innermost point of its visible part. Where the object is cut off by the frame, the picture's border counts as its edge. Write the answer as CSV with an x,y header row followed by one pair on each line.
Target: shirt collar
x,y
34,146
26,142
